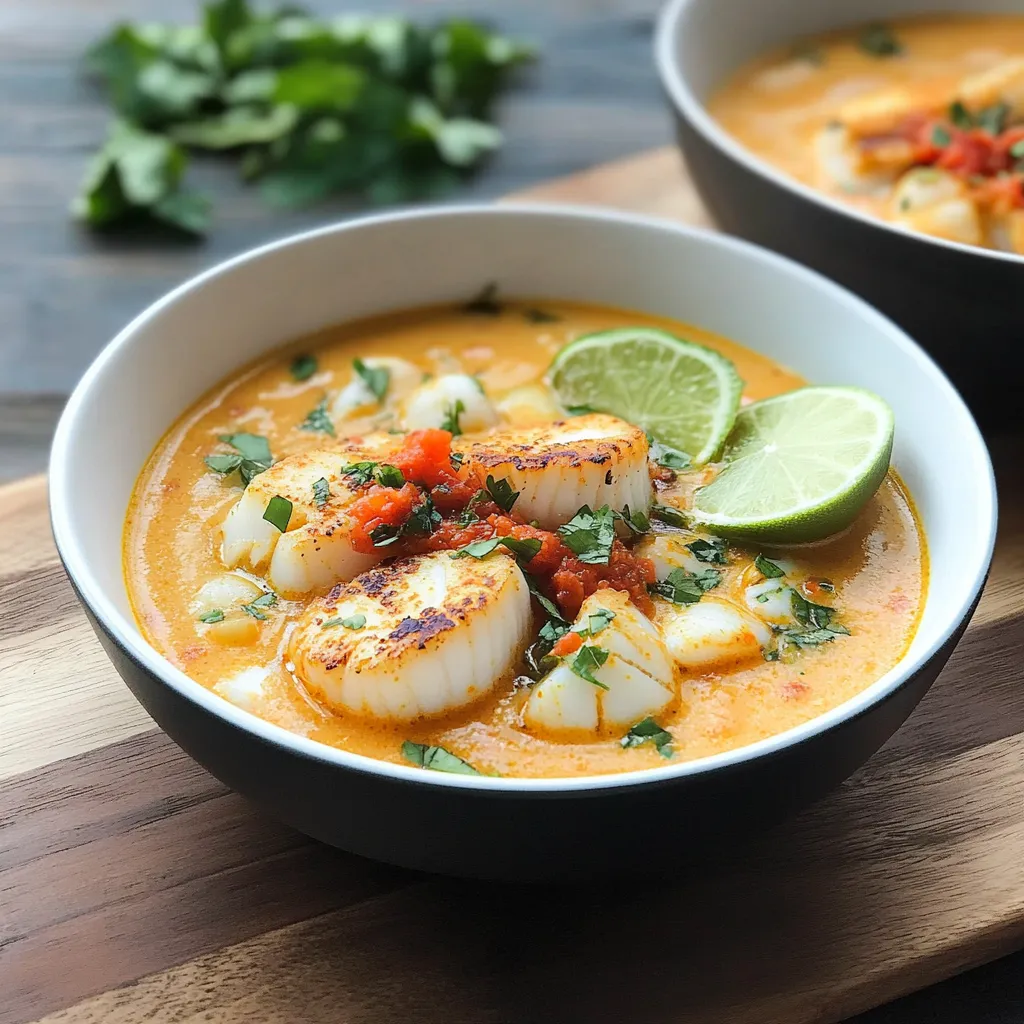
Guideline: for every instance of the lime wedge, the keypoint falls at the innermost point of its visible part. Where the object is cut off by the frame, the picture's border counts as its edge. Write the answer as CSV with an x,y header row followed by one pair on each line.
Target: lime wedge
x,y
799,467
684,395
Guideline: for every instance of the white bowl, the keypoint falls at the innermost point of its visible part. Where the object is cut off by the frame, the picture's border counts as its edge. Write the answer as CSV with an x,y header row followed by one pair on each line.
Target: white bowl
x,y
220,321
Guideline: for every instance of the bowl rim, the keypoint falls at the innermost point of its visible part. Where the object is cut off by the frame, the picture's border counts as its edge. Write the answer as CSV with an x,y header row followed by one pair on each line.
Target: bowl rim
x,y
693,110
124,631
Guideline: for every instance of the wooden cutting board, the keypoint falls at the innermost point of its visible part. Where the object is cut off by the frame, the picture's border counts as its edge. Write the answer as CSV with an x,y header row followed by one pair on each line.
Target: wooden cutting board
x,y
133,886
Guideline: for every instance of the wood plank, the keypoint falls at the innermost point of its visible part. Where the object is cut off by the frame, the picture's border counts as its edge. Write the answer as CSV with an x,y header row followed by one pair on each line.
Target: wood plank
x,y
135,887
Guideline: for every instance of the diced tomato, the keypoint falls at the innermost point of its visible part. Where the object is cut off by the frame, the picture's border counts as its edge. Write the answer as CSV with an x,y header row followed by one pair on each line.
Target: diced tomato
x,y
969,152
568,643
380,506
573,580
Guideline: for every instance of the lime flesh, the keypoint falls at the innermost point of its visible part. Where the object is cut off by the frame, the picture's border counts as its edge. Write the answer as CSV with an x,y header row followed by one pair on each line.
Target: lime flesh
x,y
683,394
798,467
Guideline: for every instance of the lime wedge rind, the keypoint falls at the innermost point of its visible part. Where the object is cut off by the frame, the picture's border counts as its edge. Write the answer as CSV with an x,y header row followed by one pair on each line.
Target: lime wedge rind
x,y
799,467
683,394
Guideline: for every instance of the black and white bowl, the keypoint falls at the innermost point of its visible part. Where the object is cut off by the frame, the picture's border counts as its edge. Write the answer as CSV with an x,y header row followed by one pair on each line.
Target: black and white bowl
x,y
964,304
507,827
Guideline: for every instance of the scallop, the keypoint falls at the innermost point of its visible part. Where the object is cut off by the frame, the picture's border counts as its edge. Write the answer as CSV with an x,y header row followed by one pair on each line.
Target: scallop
x,y
711,632
356,398
315,550
455,397
1003,83
956,220
668,551
771,600
840,164
923,187
590,460
416,638
635,679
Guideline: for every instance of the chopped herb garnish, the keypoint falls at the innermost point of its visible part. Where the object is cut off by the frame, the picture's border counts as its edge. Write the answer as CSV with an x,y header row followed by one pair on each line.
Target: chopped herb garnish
x,y
960,115
818,616
670,515
360,473
816,628
278,512
437,759
941,137
1017,149
501,493
637,521
590,535
385,534
352,622
215,615
540,316
451,417
667,456
682,587
376,378
255,608
588,659
879,41
485,302
768,569
253,456
523,549
597,621
538,657
423,520
580,410
993,119
456,459
712,551
303,367
321,492
318,420
648,731
546,603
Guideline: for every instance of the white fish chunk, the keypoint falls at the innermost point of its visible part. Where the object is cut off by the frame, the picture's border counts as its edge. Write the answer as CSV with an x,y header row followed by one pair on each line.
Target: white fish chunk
x,y
590,460
356,398
439,633
711,632
436,402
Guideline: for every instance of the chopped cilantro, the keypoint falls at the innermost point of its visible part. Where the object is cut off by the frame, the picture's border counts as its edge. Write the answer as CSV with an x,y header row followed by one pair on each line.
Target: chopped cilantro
x,y
501,493
451,417
540,316
485,302
318,420
252,456
214,615
321,492
670,515
993,119
360,473
278,512
590,535
712,551
423,520
637,522
941,137
667,456
255,608
682,587
437,759
648,731
960,115
546,603
523,549
456,459
376,378
303,367
880,41
588,659
352,622
597,621
580,410
383,535
768,569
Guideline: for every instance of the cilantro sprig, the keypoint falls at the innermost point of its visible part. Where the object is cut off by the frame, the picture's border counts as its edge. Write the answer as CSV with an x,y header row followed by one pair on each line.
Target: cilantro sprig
x,y
682,587
648,731
251,456
590,535
435,758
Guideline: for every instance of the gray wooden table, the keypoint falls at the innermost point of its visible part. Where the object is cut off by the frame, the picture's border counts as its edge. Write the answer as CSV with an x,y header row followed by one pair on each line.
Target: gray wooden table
x,y
63,293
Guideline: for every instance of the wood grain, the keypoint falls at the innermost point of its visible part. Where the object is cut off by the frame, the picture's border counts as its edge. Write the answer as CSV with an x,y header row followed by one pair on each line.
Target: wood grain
x,y
135,887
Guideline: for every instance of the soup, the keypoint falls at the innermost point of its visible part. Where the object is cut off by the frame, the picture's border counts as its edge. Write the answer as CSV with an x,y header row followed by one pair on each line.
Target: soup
x,y
391,539
919,122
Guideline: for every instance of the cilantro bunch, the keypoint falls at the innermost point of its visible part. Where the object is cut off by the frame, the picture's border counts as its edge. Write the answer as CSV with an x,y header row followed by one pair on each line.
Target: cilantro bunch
x,y
372,105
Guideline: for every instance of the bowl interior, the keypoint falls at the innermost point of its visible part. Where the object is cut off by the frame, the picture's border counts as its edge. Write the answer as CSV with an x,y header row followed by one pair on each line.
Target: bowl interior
x,y
216,323
709,39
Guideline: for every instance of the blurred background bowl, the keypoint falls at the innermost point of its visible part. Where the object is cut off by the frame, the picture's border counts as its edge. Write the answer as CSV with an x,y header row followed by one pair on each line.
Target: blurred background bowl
x,y
965,305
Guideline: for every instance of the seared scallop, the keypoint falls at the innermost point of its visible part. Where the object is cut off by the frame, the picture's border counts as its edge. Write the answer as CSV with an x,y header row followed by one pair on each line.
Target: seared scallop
x,y
419,637
455,400
630,664
714,631
590,460
314,550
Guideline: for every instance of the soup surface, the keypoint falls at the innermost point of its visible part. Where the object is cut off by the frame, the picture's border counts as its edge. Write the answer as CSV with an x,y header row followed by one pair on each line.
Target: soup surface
x,y
258,639
919,122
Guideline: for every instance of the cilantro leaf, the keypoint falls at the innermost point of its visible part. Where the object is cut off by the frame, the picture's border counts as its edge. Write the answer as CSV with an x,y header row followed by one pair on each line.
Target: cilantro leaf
x,y
385,534
682,587
424,518
321,492
712,551
637,522
501,493
960,115
318,420
523,549
880,41
303,367
376,378
545,602
436,759
278,512
352,622
451,417
597,621
590,535
588,659
993,118
485,302
648,731
540,316
253,456
670,515
768,569
214,615
667,456
255,608
538,655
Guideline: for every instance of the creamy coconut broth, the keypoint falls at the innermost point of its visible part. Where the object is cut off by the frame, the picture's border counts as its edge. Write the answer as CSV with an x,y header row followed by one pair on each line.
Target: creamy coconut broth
x,y
246,628
919,122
